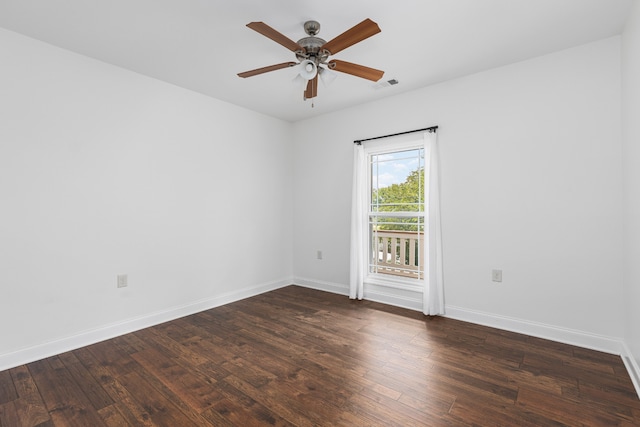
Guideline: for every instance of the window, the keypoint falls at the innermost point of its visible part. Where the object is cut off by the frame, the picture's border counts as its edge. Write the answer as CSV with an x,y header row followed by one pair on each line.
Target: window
x,y
396,235
396,212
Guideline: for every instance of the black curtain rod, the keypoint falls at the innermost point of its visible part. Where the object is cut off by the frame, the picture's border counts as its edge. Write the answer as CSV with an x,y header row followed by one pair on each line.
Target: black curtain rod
x,y
431,129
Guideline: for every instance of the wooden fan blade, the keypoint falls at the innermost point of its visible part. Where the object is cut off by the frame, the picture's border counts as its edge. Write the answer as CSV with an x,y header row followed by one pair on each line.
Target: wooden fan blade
x,y
274,35
363,30
356,70
312,88
266,69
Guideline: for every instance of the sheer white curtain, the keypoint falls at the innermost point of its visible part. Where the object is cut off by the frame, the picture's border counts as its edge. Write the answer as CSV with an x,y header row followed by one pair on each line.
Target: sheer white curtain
x,y
434,283
359,233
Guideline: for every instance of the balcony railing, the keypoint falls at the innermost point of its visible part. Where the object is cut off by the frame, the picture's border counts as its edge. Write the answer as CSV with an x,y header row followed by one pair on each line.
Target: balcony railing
x,y
397,253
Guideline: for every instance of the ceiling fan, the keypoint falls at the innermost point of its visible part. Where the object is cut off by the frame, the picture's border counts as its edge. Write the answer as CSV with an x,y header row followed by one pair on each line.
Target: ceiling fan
x,y
313,53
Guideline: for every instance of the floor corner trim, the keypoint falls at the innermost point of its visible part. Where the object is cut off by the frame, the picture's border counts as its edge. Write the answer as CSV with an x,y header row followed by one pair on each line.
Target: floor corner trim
x,y
632,367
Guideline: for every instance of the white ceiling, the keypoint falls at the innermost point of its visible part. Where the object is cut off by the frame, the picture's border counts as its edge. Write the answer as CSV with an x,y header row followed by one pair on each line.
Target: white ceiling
x,y
202,44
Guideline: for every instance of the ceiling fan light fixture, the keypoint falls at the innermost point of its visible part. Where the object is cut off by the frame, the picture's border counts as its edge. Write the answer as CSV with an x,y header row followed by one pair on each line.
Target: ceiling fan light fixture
x,y
300,82
327,76
308,69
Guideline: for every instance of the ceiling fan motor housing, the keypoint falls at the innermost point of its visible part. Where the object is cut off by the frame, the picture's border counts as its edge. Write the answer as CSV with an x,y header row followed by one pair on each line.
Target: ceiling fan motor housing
x,y
312,45
312,49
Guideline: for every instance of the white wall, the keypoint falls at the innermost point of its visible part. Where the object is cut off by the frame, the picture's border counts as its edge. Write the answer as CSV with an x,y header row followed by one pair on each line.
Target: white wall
x,y
531,184
105,172
631,157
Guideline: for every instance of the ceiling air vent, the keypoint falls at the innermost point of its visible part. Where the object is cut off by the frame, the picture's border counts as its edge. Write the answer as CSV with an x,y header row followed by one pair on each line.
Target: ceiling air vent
x,y
386,83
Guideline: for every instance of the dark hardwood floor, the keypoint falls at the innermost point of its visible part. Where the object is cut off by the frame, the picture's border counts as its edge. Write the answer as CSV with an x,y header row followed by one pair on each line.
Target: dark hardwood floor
x,y
299,357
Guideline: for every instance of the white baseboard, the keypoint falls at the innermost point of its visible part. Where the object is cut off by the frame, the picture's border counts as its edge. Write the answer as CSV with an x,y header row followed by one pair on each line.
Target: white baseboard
x,y
402,298
334,288
632,367
92,336
540,330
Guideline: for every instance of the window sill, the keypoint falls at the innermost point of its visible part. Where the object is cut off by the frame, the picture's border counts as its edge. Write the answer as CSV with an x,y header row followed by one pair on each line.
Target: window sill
x,y
396,283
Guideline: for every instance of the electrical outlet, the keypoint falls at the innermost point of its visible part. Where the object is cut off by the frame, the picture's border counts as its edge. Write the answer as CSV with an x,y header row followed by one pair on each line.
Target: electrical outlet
x,y
496,275
122,281
319,255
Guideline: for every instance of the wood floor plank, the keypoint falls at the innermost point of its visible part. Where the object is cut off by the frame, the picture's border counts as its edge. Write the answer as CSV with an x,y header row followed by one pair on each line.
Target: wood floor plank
x,y
111,357
386,411
263,412
107,375
134,413
564,410
228,412
112,416
29,406
8,391
9,414
473,413
161,411
350,376
87,383
191,416
130,343
156,337
65,400
198,392
300,357
240,410
606,402
284,406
